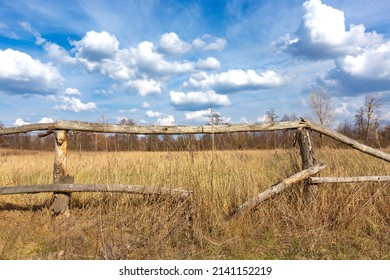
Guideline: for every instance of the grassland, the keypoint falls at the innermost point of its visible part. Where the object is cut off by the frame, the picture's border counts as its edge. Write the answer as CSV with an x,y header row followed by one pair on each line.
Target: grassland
x,y
348,221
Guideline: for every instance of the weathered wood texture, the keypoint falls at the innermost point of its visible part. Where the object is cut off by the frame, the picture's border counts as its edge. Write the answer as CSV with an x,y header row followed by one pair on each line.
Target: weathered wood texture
x,y
70,188
375,179
277,188
348,141
135,129
308,160
208,129
61,200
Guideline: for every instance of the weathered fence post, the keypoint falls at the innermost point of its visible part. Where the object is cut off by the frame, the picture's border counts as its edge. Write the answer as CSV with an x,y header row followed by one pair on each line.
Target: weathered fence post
x,y
61,200
307,153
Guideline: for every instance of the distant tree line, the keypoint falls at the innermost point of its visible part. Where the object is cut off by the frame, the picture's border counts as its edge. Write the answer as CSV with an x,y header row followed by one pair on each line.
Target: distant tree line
x,y
366,128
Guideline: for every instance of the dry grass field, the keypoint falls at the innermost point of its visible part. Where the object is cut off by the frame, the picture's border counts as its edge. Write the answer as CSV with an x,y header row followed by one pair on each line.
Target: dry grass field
x,y
348,221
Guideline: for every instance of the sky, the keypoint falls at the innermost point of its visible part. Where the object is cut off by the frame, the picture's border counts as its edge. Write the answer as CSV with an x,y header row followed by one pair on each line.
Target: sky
x,y
168,62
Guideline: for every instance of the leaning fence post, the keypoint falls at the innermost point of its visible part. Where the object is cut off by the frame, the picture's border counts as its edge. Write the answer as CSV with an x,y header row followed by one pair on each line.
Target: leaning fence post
x,y
307,153
61,200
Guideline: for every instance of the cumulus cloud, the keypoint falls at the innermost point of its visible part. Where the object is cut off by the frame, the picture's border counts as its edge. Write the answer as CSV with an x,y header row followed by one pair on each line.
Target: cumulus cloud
x,y
153,114
46,120
21,74
201,115
235,80
72,91
171,43
166,120
209,63
151,62
145,105
144,86
209,43
95,46
366,72
74,105
196,100
322,34
20,122
58,53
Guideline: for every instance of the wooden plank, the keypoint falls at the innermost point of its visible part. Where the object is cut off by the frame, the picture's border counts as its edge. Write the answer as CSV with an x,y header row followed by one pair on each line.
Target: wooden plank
x,y
277,188
348,141
134,189
320,180
150,130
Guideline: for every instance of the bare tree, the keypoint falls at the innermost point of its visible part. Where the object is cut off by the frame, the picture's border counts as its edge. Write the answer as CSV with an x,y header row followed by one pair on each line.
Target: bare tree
x,y
372,106
271,116
321,105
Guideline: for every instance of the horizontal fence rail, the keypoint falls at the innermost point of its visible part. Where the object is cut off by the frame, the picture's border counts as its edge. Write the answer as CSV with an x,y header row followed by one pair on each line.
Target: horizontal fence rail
x,y
152,129
134,189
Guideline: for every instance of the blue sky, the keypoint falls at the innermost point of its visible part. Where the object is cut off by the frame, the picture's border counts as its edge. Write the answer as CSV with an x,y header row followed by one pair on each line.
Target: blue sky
x,y
167,62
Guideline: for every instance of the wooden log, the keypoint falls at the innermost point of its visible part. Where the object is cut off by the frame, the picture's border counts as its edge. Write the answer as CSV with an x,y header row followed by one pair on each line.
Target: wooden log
x,y
358,179
348,141
61,200
115,188
152,130
307,153
277,188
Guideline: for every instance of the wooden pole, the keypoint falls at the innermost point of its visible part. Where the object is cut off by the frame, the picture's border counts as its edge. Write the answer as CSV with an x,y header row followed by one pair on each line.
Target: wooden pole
x,y
61,200
348,141
307,153
359,179
277,188
70,188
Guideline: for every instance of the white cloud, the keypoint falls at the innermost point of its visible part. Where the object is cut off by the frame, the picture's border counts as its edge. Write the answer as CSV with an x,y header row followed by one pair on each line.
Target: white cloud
x,y
74,104
166,120
144,86
236,80
58,53
209,43
145,105
72,91
46,120
322,34
38,38
202,115
21,74
153,114
197,99
95,46
151,62
20,121
172,44
372,63
209,63
262,119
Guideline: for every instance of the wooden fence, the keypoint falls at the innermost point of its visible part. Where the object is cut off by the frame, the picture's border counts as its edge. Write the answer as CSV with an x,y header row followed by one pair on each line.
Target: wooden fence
x,y
63,183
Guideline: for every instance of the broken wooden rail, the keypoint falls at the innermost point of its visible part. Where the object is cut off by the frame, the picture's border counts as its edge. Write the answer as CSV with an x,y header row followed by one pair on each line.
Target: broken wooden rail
x,y
277,188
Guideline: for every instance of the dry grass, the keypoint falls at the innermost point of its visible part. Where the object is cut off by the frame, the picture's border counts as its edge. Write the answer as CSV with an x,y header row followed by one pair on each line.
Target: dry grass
x,y
347,222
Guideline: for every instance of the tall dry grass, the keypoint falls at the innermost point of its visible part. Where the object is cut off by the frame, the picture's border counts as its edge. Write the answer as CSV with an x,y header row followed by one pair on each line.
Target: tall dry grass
x,y
348,221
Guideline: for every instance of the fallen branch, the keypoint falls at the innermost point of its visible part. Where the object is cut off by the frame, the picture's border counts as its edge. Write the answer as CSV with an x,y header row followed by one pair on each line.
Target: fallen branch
x,y
146,190
320,180
277,188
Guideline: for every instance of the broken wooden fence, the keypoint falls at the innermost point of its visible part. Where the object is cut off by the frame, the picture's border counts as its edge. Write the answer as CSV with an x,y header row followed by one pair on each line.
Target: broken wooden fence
x,y
63,183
